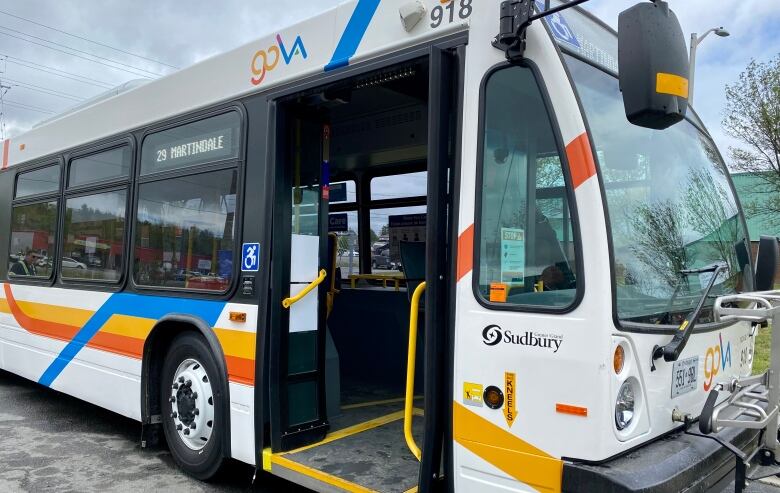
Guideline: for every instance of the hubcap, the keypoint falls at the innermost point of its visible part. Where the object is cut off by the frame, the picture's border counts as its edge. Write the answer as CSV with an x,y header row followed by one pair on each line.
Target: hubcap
x,y
192,404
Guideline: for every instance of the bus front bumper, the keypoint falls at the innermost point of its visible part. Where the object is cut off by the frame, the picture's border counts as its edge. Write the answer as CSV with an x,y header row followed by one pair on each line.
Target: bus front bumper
x,y
675,463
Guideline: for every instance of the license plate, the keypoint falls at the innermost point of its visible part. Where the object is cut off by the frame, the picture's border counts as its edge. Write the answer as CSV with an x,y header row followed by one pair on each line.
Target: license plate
x,y
684,376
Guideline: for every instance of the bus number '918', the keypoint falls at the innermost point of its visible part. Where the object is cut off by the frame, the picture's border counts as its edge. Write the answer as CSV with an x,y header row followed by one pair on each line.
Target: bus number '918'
x,y
440,13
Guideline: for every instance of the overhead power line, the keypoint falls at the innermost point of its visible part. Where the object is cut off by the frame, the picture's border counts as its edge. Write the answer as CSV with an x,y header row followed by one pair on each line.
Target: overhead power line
x,y
27,106
44,90
135,70
55,71
89,40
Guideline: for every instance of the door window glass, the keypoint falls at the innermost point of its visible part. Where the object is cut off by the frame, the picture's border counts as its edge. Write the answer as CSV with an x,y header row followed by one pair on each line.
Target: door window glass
x,y
525,241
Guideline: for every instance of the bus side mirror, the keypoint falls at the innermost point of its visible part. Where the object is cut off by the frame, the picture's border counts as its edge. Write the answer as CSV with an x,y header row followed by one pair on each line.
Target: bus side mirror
x,y
653,65
767,262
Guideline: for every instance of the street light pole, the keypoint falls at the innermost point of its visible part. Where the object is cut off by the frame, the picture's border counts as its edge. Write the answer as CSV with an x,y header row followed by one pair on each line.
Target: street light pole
x,y
695,41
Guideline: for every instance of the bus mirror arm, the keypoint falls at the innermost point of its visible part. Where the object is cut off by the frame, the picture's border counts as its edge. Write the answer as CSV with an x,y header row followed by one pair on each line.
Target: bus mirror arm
x,y
672,351
515,17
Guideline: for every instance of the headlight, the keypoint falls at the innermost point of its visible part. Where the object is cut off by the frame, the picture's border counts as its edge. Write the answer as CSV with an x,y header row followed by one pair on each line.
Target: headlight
x,y
624,407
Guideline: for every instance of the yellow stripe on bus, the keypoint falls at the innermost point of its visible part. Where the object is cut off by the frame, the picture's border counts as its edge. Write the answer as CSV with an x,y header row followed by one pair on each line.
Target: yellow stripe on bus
x,y
237,343
506,451
319,475
4,308
74,317
124,325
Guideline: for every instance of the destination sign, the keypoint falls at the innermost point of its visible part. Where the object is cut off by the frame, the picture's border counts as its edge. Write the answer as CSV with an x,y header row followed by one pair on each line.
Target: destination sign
x,y
205,141
211,147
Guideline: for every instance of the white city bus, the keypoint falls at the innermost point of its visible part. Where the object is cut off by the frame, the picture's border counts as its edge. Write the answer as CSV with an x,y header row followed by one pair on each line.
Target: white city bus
x,y
236,254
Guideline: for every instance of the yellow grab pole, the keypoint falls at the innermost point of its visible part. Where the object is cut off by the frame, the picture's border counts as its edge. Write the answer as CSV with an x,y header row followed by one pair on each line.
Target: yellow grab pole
x,y
288,302
410,361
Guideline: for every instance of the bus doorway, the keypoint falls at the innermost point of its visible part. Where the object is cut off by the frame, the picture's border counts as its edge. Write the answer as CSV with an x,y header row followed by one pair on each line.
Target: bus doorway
x,y
363,195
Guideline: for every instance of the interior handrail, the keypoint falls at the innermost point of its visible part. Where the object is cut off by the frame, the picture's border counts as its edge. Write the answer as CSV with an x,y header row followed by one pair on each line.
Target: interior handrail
x,y
410,363
288,302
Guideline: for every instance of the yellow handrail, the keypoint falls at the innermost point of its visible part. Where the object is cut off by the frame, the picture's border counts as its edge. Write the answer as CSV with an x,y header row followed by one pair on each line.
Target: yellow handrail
x,y
288,302
410,361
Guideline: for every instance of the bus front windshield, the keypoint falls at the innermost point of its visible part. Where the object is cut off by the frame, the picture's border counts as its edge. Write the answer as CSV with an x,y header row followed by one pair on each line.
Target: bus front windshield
x,y
670,206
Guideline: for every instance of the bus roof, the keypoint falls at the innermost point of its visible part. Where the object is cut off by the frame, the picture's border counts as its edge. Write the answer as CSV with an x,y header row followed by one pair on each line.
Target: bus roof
x,y
355,30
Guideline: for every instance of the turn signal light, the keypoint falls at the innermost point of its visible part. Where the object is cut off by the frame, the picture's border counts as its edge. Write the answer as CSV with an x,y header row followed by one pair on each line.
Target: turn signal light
x,y
575,410
618,359
239,317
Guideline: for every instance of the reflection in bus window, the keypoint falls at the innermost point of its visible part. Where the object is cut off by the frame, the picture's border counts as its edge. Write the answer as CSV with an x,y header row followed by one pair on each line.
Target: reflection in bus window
x,y
44,180
32,240
185,232
98,167
671,208
526,245
94,236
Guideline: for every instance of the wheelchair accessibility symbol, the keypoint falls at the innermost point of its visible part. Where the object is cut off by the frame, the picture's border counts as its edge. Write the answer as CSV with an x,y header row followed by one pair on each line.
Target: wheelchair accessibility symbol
x,y
250,257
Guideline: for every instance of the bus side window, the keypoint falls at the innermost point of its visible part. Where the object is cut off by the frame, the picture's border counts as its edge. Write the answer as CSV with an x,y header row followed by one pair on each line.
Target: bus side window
x,y
526,243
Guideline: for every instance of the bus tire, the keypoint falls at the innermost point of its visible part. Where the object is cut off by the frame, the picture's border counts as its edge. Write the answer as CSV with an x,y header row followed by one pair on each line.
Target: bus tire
x,y
191,411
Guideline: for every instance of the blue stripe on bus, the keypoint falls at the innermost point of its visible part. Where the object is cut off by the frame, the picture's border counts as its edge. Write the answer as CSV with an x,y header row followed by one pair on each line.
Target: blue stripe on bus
x,y
353,34
132,305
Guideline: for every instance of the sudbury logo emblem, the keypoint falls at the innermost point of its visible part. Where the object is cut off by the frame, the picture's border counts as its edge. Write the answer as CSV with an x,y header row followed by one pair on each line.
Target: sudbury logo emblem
x,y
493,335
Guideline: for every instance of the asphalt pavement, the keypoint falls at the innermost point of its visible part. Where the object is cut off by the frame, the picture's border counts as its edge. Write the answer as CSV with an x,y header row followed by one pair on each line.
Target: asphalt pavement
x,y
52,442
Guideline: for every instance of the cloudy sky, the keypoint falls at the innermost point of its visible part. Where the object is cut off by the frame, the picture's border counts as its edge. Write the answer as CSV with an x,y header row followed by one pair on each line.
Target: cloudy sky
x,y
97,45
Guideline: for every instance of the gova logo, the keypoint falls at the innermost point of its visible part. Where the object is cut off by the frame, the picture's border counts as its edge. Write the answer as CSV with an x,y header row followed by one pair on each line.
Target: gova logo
x,y
266,60
716,359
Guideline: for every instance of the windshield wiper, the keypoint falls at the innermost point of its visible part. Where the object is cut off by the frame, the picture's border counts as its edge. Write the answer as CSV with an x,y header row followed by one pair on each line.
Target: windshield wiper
x,y
671,351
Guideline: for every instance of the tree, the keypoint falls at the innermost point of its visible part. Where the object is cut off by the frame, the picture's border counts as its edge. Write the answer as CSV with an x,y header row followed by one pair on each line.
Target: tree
x,y
752,116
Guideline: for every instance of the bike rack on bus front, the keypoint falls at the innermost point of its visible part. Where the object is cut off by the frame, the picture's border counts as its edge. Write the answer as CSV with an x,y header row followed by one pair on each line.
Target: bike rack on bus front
x,y
755,399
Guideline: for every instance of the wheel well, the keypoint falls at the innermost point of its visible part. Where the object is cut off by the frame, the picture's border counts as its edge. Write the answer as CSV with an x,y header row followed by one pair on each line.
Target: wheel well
x,y
156,346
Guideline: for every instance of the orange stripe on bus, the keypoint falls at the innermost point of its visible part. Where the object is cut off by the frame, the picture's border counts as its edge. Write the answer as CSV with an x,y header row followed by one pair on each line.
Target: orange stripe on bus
x,y
240,370
48,329
117,344
6,151
466,252
581,161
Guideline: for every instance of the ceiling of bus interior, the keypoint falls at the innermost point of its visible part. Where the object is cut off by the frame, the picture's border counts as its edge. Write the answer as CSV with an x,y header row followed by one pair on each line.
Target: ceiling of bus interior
x,y
376,120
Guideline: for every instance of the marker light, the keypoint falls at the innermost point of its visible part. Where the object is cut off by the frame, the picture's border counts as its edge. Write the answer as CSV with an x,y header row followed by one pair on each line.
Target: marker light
x,y
618,359
624,407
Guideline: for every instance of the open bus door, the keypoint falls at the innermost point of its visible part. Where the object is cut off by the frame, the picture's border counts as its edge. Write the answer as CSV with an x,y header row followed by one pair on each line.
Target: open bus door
x,y
302,378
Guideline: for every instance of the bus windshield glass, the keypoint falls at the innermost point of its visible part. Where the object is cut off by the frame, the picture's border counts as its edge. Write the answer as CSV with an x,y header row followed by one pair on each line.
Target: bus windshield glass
x,y
670,204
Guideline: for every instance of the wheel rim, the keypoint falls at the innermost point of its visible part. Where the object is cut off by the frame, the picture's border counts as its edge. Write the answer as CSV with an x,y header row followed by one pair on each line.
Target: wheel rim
x,y
192,404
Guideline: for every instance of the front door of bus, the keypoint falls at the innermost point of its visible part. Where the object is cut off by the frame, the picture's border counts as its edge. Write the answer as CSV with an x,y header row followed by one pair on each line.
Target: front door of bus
x,y
299,339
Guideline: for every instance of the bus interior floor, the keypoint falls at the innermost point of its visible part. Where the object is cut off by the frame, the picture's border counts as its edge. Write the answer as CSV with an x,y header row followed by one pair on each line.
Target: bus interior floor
x,y
366,447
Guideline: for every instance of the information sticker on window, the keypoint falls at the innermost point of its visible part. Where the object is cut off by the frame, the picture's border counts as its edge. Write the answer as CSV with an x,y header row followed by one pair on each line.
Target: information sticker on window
x,y
513,256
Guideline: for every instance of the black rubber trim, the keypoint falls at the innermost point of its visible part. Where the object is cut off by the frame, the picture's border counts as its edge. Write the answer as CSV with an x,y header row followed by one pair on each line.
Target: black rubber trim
x,y
678,462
